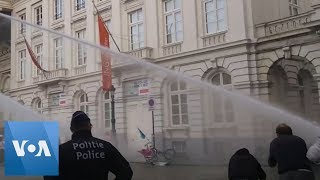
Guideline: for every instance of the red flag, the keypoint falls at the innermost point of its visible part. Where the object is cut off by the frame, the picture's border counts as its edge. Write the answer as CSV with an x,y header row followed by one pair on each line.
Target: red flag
x,y
105,57
33,57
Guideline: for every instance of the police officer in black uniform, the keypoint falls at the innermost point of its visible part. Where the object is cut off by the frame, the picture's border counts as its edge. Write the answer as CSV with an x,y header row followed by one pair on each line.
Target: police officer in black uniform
x,y
86,157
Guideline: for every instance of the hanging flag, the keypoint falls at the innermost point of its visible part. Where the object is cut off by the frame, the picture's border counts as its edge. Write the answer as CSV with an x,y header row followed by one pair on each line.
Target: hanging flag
x,y
142,135
105,57
33,57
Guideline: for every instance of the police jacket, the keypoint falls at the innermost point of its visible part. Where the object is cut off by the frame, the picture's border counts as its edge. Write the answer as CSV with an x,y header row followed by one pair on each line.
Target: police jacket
x,y
243,165
289,152
86,157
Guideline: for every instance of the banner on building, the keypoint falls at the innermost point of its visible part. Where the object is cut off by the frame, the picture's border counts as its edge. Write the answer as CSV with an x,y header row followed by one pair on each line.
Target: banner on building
x,y
105,57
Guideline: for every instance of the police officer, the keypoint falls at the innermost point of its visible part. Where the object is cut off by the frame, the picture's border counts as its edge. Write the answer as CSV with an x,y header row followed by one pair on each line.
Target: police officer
x,y
86,157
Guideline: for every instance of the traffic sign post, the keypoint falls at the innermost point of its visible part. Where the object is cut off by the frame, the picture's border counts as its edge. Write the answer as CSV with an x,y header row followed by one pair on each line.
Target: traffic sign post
x,y
151,104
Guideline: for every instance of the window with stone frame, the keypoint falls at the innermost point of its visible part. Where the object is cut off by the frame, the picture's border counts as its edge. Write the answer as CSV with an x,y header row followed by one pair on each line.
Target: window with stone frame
x,y
173,21
180,147
58,53
22,64
136,29
37,105
38,15
294,7
215,16
106,113
223,110
6,84
80,4
39,57
22,26
81,49
84,103
179,103
305,85
278,86
58,9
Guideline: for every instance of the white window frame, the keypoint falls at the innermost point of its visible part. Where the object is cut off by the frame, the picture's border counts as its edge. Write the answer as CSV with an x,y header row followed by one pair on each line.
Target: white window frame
x,y
58,53
38,49
215,19
22,56
81,50
174,13
139,25
84,104
58,9
106,101
179,92
22,26
79,5
294,7
180,147
224,103
38,15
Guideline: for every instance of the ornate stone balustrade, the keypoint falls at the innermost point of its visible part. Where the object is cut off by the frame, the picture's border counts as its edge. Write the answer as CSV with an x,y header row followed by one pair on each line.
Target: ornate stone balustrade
x,y
215,39
171,49
80,70
283,25
143,53
55,75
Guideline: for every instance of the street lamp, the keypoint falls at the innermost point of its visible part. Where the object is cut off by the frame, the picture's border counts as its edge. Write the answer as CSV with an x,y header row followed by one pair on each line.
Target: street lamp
x,y
113,119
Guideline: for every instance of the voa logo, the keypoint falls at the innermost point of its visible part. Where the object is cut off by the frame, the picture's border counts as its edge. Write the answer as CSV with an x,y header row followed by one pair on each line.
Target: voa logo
x,y
31,148
42,148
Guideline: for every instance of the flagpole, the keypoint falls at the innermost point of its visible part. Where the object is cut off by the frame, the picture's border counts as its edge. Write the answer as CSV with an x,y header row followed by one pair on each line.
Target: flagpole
x,y
43,71
114,41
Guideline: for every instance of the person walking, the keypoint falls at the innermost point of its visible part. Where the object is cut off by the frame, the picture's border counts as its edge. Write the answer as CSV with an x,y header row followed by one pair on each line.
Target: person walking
x,y
87,157
243,165
289,153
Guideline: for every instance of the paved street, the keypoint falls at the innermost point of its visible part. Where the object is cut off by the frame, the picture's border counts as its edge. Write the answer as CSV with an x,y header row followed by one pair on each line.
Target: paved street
x,y
145,172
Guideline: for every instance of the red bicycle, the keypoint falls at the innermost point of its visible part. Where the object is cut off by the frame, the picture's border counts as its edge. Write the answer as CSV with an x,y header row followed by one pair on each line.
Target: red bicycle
x,y
152,155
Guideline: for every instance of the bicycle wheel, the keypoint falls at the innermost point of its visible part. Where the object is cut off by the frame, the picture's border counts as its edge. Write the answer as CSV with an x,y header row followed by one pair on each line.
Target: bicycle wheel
x,y
169,154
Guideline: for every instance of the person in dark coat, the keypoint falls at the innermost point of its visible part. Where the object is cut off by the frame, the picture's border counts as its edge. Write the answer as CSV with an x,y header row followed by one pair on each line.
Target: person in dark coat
x,y
289,153
87,157
243,165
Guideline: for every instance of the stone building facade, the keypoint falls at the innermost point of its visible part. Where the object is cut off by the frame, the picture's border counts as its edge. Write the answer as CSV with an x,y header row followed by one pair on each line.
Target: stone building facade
x,y
265,49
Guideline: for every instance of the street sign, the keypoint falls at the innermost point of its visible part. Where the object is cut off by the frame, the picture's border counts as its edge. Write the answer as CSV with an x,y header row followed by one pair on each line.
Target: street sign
x,y
151,104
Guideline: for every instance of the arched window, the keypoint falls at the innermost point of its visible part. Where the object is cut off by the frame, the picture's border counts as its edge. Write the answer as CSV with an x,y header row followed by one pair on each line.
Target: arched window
x,y
107,110
6,84
21,102
305,80
222,106
221,79
278,85
179,103
37,105
83,103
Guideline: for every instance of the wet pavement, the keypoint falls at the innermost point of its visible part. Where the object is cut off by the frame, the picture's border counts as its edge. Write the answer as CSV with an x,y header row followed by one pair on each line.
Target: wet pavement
x,y
171,172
